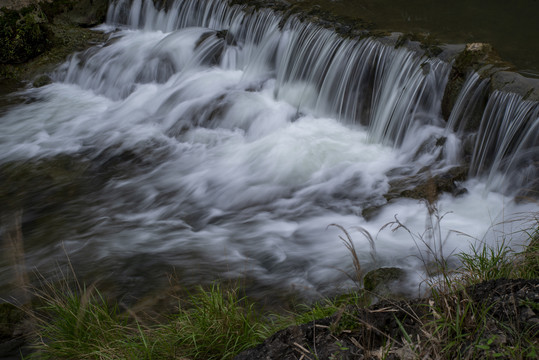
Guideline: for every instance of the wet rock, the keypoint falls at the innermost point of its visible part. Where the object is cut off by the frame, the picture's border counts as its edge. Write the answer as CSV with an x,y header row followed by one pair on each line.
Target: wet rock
x,y
371,212
431,146
423,186
384,282
227,36
212,56
42,80
428,44
468,145
476,57
450,51
513,82
480,57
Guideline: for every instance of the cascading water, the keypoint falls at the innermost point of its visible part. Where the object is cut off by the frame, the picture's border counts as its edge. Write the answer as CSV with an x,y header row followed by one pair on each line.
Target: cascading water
x,y
222,143
507,142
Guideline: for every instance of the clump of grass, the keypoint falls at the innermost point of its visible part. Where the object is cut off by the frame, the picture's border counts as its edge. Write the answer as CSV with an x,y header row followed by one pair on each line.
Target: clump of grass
x,y
349,244
491,262
73,321
326,307
216,324
82,324
78,325
527,261
456,327
486,263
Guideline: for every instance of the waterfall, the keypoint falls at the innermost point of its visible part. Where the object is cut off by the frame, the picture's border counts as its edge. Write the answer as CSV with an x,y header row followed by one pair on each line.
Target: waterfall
x,y
222,140
508,141
386,89
468,102
390,91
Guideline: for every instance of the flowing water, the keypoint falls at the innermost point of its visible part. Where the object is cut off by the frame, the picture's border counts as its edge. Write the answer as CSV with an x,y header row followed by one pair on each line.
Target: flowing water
x,y
220,144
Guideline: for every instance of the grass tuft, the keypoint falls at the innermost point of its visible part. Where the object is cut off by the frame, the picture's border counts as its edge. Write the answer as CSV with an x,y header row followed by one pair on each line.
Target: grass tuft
x,y
215,324
81,324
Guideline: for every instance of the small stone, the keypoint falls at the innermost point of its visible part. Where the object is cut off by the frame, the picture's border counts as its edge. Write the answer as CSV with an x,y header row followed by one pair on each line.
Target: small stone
x,y
42,80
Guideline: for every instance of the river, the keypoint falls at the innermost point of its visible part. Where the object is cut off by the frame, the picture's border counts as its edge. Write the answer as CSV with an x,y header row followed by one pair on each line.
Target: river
x,y
180,148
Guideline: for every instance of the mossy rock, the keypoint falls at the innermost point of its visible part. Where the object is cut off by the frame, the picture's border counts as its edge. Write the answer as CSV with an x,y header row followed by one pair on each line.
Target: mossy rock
x,y
23,34
83,13
37,38
42,80
380,280
345,26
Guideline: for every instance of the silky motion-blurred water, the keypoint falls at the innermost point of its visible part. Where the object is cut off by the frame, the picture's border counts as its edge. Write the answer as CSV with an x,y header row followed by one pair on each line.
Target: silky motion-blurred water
x,y
239,141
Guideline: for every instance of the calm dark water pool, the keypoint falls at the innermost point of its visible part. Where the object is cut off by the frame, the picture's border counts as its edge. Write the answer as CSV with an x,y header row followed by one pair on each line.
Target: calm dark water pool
x,y
512,27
